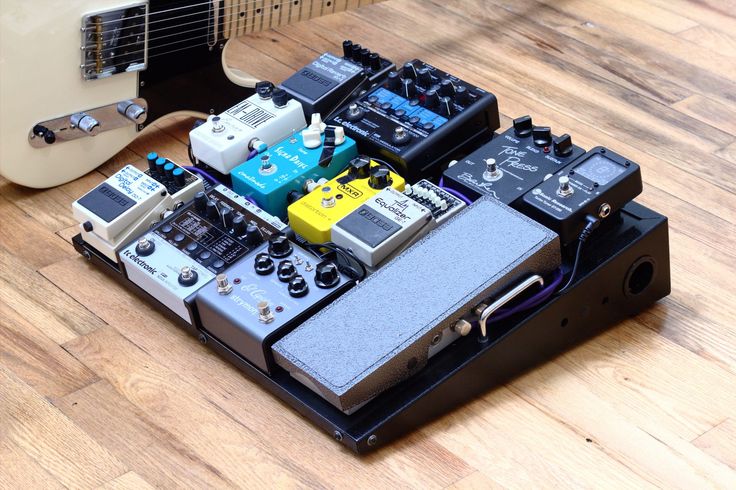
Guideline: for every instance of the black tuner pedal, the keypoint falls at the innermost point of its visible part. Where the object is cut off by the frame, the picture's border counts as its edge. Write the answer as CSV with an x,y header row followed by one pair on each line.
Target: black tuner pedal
x,y
419,119
512,163
598,184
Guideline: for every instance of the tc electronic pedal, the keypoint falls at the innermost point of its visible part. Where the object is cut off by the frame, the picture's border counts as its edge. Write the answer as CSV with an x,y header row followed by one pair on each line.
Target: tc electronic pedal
x,y
512,163
420,119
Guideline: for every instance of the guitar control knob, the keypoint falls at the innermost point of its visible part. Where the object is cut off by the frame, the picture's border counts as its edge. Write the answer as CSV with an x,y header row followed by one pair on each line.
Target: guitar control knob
x,y
542,136
431,98
280,97
393,81
200,202
212,212
446,107
279,246
132,111
447,87
408,89
263,264
380,178
326,275
286,271
409,71
360,168
298,287
85,123
523,126
424,77
563,145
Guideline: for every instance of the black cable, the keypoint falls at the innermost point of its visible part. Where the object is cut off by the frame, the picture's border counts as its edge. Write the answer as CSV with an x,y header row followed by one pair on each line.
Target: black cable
x,y
346,254
593,223
385,163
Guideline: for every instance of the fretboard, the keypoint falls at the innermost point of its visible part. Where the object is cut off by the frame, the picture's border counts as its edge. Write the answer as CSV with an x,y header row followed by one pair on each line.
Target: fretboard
x,y
242,17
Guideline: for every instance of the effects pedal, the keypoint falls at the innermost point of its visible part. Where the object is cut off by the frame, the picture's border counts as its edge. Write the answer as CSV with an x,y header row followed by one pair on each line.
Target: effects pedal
x,y
420,119
512,163
265,296
278,176
201,239
263,119
130,201
380,225
313,216
598,184
330,80
440,203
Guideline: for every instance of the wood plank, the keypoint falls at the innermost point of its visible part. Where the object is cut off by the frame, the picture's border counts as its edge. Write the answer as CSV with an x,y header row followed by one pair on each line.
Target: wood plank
x,y
666,20
128,481
711,40
64,451
720,442
20,471
709,111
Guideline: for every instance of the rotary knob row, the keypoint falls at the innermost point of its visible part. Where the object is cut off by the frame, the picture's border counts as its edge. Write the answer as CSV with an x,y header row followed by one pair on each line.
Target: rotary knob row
x,y
359,54
165,171
231,221
542,136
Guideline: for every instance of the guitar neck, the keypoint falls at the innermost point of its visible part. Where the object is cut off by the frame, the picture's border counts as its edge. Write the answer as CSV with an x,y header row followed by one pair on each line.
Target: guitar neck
x,y
241,17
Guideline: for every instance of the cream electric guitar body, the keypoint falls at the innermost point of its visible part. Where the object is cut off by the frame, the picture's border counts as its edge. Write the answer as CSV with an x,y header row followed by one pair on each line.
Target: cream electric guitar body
x,y
79,80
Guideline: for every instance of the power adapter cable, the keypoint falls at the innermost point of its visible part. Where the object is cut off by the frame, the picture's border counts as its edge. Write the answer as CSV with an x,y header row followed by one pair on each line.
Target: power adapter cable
x,y
592,224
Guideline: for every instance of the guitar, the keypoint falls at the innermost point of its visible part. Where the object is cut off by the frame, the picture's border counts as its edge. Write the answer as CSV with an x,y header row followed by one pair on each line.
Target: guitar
x,y
99,76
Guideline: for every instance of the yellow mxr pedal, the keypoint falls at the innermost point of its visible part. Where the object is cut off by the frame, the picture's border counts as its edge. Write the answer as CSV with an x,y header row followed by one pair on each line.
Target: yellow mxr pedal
x,y
313,215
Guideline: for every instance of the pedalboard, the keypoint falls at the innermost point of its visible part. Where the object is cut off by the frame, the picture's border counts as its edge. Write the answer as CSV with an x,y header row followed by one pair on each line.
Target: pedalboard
x,y
596,185
418,120
197,242
280,175
131,200
380,225
328,81
225,141
265,295
512,163
313,215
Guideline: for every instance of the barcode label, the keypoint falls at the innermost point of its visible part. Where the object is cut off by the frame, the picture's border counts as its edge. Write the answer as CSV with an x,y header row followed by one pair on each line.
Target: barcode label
x,y
251,115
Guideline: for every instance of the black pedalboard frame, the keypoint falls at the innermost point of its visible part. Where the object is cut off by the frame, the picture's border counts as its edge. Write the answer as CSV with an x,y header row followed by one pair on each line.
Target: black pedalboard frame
x,y
624,269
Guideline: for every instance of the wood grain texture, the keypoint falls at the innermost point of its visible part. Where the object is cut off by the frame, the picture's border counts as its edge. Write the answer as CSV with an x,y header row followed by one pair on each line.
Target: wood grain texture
x,y
98,390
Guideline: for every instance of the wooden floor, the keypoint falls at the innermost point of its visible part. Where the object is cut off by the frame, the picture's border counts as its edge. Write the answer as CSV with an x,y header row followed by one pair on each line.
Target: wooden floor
x,y
96,389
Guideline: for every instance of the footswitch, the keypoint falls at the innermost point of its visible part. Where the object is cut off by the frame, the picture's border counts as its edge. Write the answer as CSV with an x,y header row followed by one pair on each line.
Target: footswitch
x,y
265,118
440,203
420,119
512,163
380,225
598,184
313,215
265,296
130,201
200,240
383,330
277,176
329,80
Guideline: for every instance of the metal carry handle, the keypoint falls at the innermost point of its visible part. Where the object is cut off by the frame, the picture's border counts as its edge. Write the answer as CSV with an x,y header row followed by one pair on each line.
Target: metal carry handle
x,y
513,293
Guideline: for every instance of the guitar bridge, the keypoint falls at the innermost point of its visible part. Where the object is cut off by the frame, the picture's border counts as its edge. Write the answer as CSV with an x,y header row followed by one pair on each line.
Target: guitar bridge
x,y
114,41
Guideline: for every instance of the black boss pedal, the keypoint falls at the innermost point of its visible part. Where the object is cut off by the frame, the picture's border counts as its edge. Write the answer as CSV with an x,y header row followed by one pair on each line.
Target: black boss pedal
x,y
512,163
419,119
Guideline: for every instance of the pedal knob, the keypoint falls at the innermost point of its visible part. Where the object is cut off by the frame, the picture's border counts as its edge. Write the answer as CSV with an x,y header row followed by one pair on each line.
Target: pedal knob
x,y
380,178
374,62
431,98
542,136
200,202
264,89
280,97
446,107
279,246
355,54
85,123
461,95
523,126
286,271
424,77
393,81
408,89
239,226
144,247
365,57
360,168
339,135
447,87
409,71
563,145
132,111
326,275
152,157
264,264
400,136
227,217
311,138
187,276
180,178
212,212
347,48
298,287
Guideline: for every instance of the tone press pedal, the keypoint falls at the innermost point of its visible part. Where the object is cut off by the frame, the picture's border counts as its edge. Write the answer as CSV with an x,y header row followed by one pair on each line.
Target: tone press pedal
x,y
278,176
265,296
313,215
130,201
598,184
202,239
512,162
261,120
420,119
